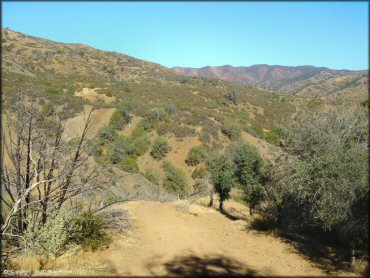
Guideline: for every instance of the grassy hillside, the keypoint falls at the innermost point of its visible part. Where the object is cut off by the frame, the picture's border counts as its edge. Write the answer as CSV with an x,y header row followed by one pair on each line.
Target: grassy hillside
x,y
57,71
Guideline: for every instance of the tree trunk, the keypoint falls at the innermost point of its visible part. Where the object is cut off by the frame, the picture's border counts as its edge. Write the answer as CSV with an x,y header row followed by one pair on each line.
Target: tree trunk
x,y
28,166
279,216
221,205
211,200
250,210
353,255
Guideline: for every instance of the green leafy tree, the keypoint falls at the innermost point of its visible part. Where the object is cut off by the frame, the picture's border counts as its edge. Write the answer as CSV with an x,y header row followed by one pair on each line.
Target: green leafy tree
x,y
322,185
248,164
222,176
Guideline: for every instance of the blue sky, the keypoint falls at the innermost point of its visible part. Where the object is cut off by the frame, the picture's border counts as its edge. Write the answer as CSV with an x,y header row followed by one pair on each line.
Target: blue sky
x,y
196,34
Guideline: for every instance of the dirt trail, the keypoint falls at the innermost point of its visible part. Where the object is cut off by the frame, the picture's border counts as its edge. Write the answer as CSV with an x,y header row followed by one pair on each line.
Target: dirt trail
x,y
175,238
74,126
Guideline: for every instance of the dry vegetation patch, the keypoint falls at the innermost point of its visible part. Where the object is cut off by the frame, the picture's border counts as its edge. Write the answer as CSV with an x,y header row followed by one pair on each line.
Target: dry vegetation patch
x,y
93,96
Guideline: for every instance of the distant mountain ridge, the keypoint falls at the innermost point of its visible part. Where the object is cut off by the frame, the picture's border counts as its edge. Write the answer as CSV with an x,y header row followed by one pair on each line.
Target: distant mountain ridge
x,y
276,78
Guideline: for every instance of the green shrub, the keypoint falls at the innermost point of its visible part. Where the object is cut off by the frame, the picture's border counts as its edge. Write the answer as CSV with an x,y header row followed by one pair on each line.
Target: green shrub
x,y
141,141
129,164
156,114
65,229
257,128
94,147
88,231
119,118
141,145
153,176
175,179
160,148
199,172
106,134
145,124
50,239
231,129
119,148
108,94
178,130
196,155
272,137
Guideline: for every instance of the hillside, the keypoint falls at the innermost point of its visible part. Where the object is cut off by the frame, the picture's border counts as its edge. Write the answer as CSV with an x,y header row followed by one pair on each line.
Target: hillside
x,y
129,191
60,72
33,56
303,80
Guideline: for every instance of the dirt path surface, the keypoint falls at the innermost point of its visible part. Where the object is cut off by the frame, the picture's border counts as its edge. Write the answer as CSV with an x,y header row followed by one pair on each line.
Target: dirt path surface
x,y
178,238
74,126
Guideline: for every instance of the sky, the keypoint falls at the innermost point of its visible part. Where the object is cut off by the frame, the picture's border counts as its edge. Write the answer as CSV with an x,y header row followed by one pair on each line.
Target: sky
x,y
197,34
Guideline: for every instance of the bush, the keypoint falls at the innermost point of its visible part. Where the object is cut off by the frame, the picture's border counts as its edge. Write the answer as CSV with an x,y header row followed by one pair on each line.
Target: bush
x,y
178,130
66,229
88,231
156,114
153,176
50,239
145,124
106,134
94,147
120,148
160,148
231,129
141,141
323,185
257,128
129,164
196,155
119,118
272,137
175,179
199,173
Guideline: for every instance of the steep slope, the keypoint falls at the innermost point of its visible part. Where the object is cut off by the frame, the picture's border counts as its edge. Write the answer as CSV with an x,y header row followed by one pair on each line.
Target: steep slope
x,y
34,56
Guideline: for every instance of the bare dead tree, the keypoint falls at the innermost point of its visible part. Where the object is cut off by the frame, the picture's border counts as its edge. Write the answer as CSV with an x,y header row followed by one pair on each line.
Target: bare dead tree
x,y
42,170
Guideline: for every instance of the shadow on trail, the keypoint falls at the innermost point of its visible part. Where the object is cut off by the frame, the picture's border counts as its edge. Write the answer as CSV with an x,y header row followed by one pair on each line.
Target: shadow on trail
x,y
231,216
328,259
206,266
